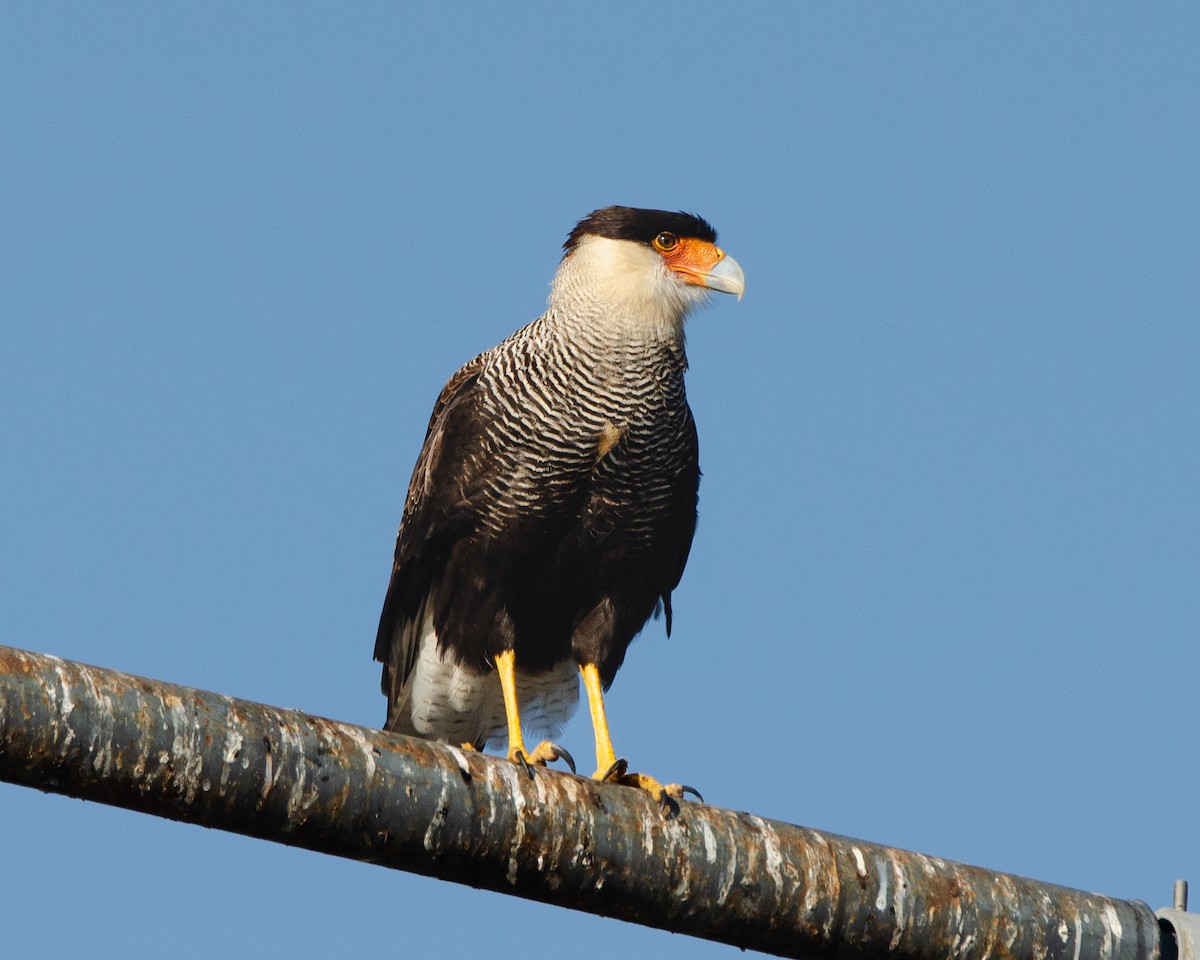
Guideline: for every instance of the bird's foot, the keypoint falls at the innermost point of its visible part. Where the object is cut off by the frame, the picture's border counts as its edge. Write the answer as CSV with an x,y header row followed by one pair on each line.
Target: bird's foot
x,y
666,794
544,753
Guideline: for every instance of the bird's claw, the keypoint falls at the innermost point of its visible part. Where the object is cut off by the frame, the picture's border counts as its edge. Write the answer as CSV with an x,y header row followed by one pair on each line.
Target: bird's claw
x,y
544,753
561,753
667,794
519,757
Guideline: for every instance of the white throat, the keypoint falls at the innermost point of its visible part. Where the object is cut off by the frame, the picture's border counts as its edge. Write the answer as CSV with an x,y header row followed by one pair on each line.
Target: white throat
x,y
624,285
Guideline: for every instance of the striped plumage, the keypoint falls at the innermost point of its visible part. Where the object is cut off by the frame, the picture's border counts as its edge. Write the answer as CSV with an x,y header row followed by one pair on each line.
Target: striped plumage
x,y
553,504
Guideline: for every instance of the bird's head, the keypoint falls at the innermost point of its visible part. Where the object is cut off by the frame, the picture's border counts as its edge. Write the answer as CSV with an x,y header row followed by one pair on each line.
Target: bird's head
x,y
654,264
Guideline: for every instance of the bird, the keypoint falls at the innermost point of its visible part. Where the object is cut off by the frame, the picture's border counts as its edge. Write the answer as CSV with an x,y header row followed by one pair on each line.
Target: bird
x,y
553,504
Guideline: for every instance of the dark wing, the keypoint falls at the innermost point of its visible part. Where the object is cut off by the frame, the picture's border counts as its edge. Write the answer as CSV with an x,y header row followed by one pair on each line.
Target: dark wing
x,y
446,481
683,510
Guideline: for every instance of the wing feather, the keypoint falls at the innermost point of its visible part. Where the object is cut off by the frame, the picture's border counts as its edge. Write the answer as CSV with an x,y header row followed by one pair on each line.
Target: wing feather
x,y
684,507
440,507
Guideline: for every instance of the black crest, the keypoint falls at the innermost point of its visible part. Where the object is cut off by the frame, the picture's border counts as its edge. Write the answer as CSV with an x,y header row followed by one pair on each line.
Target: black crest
x,y
641,226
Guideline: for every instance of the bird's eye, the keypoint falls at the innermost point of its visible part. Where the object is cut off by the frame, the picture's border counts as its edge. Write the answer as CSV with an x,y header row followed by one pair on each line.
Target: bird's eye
x,y
665,241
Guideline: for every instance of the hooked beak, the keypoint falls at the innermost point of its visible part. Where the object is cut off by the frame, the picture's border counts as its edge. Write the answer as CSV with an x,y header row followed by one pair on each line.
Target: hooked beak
x,y
726,277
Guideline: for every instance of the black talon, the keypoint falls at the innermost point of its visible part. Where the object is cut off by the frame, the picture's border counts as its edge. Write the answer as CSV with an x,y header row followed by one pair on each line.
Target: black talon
x,y
564,755
525,763
617,768
692,790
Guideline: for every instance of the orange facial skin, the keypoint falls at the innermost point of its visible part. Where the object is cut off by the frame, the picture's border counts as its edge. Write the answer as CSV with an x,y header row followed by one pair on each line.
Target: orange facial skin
x,y
692,259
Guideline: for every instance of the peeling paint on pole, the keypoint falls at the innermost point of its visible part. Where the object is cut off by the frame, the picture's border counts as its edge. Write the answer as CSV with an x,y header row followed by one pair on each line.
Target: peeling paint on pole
x,y
285,776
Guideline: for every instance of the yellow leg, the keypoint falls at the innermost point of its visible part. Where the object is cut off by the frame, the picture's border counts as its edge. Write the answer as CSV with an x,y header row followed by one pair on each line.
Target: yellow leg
x,y
545,751
605,757
607,765
505,663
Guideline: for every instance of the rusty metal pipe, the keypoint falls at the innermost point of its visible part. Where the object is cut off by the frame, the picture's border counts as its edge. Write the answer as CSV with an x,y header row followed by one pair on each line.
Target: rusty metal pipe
x,y
285,776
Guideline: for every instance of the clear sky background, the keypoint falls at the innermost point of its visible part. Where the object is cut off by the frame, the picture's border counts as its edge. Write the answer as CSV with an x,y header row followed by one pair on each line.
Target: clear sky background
x,y
944,593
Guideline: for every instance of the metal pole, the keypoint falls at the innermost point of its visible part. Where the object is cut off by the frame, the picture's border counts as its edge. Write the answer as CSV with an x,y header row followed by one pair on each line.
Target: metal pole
x,y
412,805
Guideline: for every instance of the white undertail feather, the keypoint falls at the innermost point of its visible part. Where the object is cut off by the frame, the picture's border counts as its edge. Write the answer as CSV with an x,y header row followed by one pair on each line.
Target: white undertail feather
x,y
451,703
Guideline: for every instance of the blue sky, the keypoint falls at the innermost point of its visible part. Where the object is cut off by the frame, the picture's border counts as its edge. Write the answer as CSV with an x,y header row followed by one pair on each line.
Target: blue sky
x,y
944,589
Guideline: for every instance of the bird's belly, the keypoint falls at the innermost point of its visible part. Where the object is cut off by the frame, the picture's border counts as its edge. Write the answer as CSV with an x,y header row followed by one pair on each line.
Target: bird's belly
x,y
457,704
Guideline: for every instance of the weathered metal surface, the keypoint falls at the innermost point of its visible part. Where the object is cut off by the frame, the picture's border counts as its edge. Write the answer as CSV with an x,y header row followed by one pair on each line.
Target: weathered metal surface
x,y
1180,932
285,776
